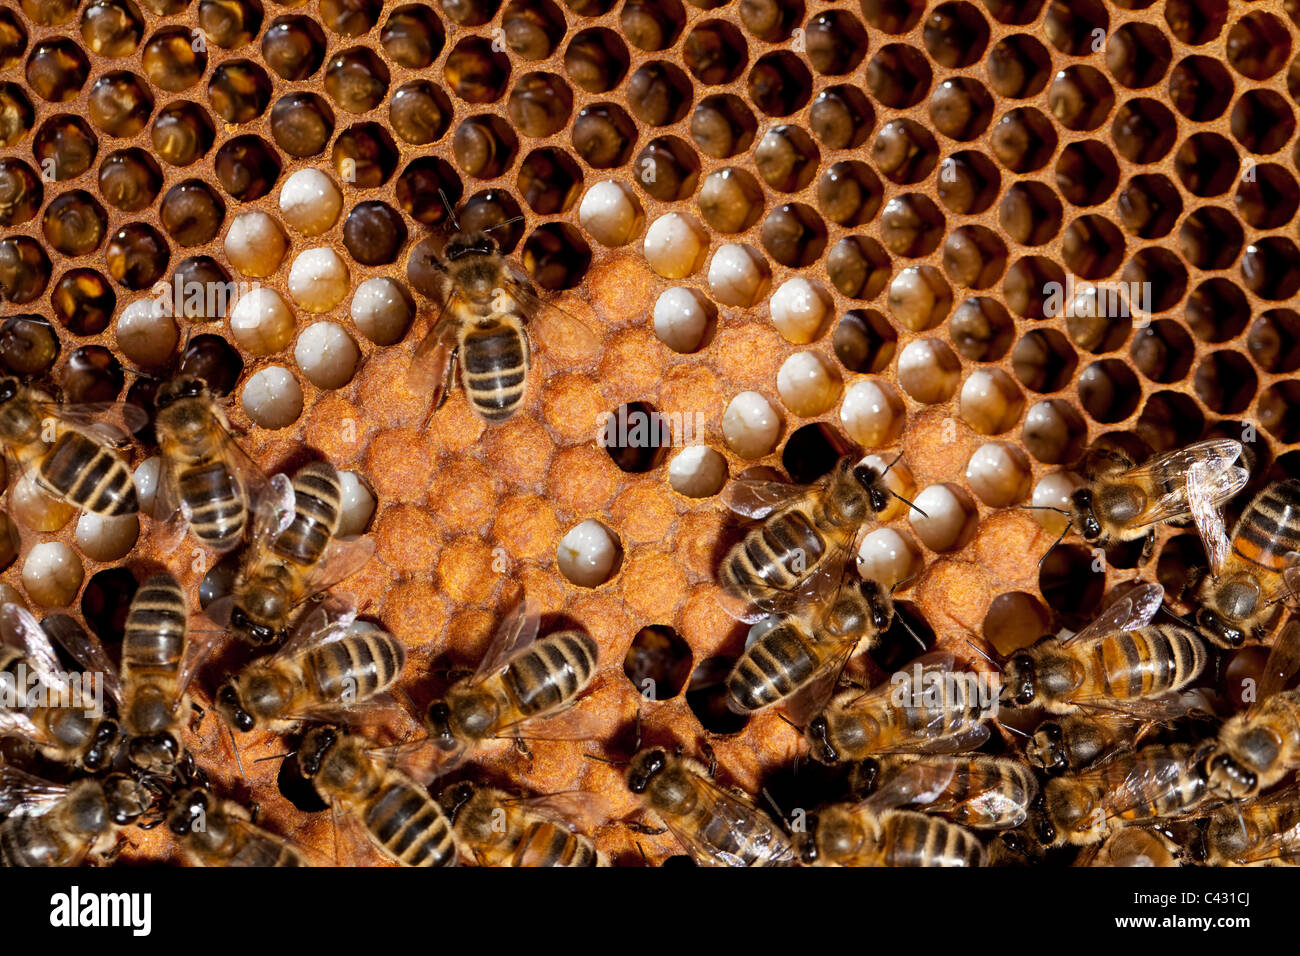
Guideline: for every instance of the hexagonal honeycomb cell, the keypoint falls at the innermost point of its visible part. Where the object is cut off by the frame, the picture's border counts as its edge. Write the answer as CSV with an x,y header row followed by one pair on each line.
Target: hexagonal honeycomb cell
x,y
985,235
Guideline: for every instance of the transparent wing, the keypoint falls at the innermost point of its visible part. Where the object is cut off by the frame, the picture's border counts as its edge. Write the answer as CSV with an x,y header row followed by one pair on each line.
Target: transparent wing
x,y
15,723
122,418
1136,846
921,782
811,699
1291,578
740,821
20,629
22,791
756,498
86,650
430,367
199,645
515,633
1283,661
341,560
808,591
420,759
1160,709
320,626
577,810
1204,495
172,514
1135,609
1169,472
273,510
551,327
569,722
1148,780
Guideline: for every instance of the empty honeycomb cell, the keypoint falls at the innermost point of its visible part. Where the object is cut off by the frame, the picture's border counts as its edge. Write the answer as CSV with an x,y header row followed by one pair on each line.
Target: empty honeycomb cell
x,y
1207,164
911,225
413,36
722,125
1081,98
1077,27
549,181
636,437
919,298
1018,66
683,319
1144,130
1211,238
182,133
1279,411
779,84
596,60
172,60
24,269
1092,247
1200,88
675,246
1033,286
589,554
998,473
1225,382
119,104
904,151
191,212
1262,121
1023,140
928,371
1149,205
539,104
974,257
944,518
1271,268
475,71
1274,341
533,28
1170,420
981,330
484,146
658,662
356,79
136,256
604,135
419,183
667,168
1196,21
1053,432
56,69
707,697
730,200
835,42
864,341
659,93
556,256
1044,361
419,113
899,76
872,413
1109,391
28,345
1098,318
16,114
858,267
1258,45
1138,55
794,235
52,574
811,452
990,401
1217,310
64,147
1159,278
715,52
808,385
1267,196
1086,173
1030,213
83,301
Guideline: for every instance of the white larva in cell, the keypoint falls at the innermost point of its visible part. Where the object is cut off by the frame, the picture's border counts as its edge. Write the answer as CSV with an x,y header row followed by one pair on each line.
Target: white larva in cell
x,y
697,472
272,397
588,554
107,539
800,310
318,279
808,384
261,322
327,355
52,574
888,556
681,319
358,505
738,275
674,246
610,213
946,519
751,426
310,202
382,310
146,483
255,244
871,413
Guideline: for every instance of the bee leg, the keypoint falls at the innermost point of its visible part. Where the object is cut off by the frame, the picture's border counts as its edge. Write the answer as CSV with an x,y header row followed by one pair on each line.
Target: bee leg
x,y
196,717
1148,546
254,811
711,756
122,843
452,361
644,828
522,747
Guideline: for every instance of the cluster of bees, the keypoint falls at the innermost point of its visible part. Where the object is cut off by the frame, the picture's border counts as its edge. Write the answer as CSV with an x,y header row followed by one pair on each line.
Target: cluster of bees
x,y
1129,758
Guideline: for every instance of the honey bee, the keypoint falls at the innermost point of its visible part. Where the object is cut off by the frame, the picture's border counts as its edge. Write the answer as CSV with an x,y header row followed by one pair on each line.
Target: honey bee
x,y
160,656
1154,782
1125,501
67,724
330,665
220,833
483,327
875,832
1075,741
1132,846
933,709
804,650
806,536
716,827
51,824
207,480
980,792
1255,570
521,682
1260,832
291,556
497,829
1119,662
71,456
1258,747
398,815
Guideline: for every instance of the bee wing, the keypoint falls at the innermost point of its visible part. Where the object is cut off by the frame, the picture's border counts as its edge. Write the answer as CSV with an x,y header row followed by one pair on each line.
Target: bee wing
x,y
1136,846
168,508
921,782
1282,845
20,629
274,509
1148,779
576,810
111,422
1160,709
755,498
253,832
22,791
320,626
1135,609
811,699
199,644
551,326
1291,578
14,723
743,821
807,592
517,630
86,650
1206,490
420,759
340,561
1213,460
1283,661
569,722
431,364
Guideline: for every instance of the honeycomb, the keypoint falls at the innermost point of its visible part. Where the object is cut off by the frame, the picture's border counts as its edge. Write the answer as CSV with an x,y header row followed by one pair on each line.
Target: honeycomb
x,y
930,168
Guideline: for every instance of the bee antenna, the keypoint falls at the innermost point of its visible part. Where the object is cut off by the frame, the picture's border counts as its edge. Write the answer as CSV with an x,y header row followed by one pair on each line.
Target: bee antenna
x,y
1059,511
1059,538
771,800
612,763
1015,730
910,504
640,849
1180,618
788,722
451,212
984,654
502,225
897,459
235,747
284,756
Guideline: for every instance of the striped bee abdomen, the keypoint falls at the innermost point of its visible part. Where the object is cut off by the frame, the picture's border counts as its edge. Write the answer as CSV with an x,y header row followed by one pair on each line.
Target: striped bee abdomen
x,y
406,822
494,369
217,509
88,475
1269,530
551,672
154,637
773,668
359,665
778,554
1149,661
914,839
261,850
545,844
317,503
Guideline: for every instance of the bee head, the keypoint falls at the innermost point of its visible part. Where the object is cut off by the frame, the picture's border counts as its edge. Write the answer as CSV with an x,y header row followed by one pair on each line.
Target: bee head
x,y
806,842
127,799
1044,828
437,719
865,776
189,810
1218,630
1085,518
8,388
645,766
819,740
252,631
103,745
838,835
156,754
1018,688
1048,748
177,389
230,707
455,797
314,747
1228,776
869,479
469,244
